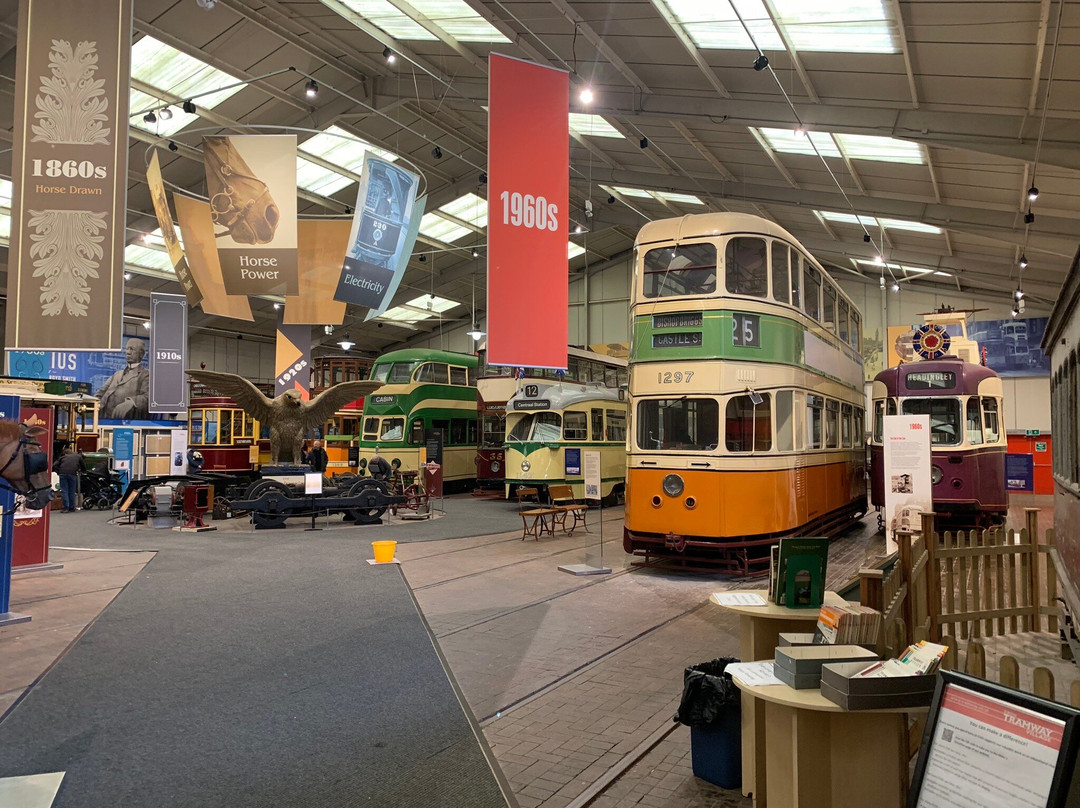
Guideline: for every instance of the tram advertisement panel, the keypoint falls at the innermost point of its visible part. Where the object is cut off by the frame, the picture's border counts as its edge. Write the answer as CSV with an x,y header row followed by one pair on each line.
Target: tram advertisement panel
x,y
168,353
382,235
907,475
251,182
528,204
69,169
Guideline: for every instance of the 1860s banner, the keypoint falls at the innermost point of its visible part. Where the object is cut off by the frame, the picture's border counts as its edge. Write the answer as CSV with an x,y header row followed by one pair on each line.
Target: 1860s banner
x,y
251,182
69,170
528,198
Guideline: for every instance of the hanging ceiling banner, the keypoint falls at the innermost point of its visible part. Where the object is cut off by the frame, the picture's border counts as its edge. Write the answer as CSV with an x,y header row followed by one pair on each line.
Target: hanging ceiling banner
x,y
410,239
168,353
251,182
200,247
292,364
69,172
321,247
379,244
528,203
168,232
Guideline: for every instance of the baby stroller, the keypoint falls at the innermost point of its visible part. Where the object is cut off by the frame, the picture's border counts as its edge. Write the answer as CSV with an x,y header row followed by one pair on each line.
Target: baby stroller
x,y
100,488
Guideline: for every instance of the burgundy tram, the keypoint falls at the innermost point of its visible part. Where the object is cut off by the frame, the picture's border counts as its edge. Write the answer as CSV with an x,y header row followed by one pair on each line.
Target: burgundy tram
x,y
967,436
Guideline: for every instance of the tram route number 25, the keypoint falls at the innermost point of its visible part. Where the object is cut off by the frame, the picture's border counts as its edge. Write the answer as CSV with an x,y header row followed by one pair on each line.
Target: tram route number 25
x,y
526,210
745,330
674,376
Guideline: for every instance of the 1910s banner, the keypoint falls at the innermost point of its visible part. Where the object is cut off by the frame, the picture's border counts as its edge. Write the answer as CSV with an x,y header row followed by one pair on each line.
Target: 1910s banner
x,y
168,353
69,169
528,198
292,365
379,244
251,182
168,233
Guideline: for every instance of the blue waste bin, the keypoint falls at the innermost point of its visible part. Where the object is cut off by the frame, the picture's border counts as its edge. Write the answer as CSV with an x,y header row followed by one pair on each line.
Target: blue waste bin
x,y
711,707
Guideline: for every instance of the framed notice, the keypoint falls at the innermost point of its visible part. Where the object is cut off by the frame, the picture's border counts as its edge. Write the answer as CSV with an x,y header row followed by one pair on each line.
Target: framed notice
x,y
988,746
592,475
908,491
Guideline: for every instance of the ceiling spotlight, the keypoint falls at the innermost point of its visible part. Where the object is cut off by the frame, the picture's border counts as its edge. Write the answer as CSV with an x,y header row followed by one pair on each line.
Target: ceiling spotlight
x,y
277,306
475,253
189,107
389,55
881,281
644,143
166,113
483,178
1023,262
206,4
611,200
1015,311
422,258
878,259
311,89
1033,193
150,117
866,237
586,96
1029,217
173,146
761,62
578,230
895,286
127,276
436,153
346,343
328,330
1019,294
146,325
800,131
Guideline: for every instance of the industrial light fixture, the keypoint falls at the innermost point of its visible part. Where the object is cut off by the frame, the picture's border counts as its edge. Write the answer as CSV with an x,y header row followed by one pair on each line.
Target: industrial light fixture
x,y
146,325
611,200
475,332
483,178
644,143
422,258
389,55
436,153
328,330
475,253
761,62
586,96
1019,293
346,343
1015,311
1033,193
150,117
277,306
800,131
1029,217
311,88
173,146
866,237
895,286
189,107
1023,262
166,113
127,276
578,230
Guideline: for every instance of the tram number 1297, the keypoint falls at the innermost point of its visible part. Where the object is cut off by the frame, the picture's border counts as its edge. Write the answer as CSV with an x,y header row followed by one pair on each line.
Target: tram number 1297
x,y
745,330
674,377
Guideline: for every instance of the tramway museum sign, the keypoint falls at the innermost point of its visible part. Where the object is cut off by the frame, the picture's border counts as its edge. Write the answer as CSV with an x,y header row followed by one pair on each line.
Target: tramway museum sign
x,y
678,339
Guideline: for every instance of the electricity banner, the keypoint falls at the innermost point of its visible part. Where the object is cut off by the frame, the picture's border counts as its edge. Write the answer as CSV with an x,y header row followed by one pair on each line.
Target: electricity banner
x,y
292,364
380,243
69,172
168,353
168,232
410,240
528,199
251,182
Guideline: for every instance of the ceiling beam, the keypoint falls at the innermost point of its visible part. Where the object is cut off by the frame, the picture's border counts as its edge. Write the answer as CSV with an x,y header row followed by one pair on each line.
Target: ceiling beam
x,y
601,46
691,49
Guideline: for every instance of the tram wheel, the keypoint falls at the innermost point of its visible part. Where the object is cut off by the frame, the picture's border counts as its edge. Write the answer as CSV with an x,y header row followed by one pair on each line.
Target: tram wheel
x,y
366,516
268,519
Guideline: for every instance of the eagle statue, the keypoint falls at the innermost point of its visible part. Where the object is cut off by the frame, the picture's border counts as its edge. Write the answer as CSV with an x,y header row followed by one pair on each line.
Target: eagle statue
x,y
288,415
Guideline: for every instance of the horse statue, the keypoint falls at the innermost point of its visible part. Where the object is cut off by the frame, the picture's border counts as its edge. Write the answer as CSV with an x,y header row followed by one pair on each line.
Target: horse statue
x,y
24,465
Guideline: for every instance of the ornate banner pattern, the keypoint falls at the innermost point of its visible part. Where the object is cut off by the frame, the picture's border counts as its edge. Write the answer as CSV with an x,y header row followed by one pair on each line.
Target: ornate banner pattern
x,y
69,171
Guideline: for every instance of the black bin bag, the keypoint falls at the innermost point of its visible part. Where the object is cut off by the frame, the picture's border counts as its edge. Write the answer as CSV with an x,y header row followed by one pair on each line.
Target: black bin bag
x,y
709,695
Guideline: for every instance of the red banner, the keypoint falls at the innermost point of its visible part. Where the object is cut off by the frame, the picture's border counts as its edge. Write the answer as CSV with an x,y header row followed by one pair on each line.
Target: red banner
x,y
31,541
528,205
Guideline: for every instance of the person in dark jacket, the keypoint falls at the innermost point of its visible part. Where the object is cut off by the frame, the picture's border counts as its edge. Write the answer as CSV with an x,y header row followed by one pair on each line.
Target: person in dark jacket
x,y
194,461
317,458
378,468
68,466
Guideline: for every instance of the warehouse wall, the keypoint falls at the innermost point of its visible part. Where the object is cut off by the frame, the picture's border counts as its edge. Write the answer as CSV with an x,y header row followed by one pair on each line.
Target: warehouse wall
x,y
252,359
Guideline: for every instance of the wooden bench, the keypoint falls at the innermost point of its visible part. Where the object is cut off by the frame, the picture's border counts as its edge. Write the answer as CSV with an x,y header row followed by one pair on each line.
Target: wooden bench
x,y
526,495
538,520
564,504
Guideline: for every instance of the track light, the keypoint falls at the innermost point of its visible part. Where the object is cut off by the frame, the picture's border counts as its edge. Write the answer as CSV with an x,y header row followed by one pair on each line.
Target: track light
x,y
173,146
866,237
1023,262
189,107
586,96
1033,193
578,230
166,113
611,200
436,153
346,343
800,131
422,258
644,143
146,325
150,117
483,178
895,286
761,62
881,281
277,307
475,253
1019,294
127,276
1029,217
311,89
1015,311
328,330
389,55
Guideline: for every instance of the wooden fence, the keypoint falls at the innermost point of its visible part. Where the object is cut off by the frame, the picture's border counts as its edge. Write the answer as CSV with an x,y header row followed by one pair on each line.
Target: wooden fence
x,y
1009,674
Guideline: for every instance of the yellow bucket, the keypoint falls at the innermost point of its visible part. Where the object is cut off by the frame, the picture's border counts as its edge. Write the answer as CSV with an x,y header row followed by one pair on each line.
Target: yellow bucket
x,y
384,551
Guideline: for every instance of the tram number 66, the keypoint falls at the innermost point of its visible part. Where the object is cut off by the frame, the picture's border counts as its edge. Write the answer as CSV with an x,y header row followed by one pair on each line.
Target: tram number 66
x,y
526,210
745,330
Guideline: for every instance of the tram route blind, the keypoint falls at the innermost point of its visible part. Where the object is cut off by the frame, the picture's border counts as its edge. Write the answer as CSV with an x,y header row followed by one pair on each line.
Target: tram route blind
x,y
680,320
680,339
931,380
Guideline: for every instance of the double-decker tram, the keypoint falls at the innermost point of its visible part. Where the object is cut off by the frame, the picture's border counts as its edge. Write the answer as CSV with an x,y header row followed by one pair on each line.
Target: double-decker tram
x,y
549,428
746,403
426,395
341,432
497,384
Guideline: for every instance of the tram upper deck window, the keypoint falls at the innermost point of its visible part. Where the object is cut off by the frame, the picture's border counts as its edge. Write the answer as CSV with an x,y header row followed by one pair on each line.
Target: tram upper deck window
x,y
380,373
990,420
796,277
575,426
537,426
748,426
401,373
680,270
842,320
856,331
944,418
828,314
392,429
781,283
747,266
459,376
811,291
430,372
680,424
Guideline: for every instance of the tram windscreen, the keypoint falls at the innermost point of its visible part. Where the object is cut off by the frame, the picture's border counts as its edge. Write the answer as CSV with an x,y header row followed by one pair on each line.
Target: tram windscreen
x,y
380,372
682,424
945,418
681,269
392,429
538,426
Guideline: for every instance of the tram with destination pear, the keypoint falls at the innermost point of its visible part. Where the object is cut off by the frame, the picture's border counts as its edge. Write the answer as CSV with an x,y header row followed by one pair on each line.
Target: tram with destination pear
x,y
746,394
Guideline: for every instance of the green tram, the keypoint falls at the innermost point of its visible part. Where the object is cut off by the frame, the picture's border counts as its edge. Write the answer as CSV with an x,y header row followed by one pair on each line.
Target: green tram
x,y
425,393
550,427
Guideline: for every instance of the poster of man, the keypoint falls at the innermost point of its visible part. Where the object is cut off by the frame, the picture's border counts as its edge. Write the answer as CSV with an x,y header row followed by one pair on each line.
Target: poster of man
x,y
126,395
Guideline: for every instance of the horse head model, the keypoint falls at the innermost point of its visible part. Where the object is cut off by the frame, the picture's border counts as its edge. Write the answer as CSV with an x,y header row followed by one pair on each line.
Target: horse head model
x,y
24,465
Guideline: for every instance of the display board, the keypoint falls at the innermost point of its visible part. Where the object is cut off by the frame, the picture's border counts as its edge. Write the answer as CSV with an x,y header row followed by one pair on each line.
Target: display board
x,y
907,474
592,475
31,537
168,353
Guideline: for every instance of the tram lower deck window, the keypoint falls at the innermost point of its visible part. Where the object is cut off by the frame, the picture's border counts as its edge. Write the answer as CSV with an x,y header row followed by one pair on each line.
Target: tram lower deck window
x,y
748,426
680,424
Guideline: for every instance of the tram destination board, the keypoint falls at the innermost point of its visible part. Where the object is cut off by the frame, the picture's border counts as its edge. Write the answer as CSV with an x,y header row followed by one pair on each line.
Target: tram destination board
x,y
533,404
931,380
677,339
745,330
690,319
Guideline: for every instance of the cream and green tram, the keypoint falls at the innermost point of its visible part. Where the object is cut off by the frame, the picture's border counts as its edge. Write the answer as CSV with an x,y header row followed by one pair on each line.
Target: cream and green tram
x,y
550,427
746,404
425,394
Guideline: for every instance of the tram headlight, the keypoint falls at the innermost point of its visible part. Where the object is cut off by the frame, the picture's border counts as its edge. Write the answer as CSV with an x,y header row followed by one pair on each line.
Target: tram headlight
x,y
495,466
395,463
935,475
363,462
525,465
673,485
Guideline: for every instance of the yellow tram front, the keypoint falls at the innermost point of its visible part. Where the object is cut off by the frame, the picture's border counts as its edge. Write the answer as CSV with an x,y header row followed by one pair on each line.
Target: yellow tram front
x,y
746,402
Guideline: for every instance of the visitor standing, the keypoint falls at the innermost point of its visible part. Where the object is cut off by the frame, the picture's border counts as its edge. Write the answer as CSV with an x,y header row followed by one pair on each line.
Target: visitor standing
x,y
317,458
68,466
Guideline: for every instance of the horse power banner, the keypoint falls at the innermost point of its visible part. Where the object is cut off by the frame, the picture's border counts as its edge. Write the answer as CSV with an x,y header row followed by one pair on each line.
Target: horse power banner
x,y
251,182
69,175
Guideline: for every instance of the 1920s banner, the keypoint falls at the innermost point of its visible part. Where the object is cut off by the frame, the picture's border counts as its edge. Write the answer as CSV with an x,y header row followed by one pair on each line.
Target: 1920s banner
x,y
69,170
410,239
202,256
379,245
168,353
321,247
168,232
251,182
292,363
528,199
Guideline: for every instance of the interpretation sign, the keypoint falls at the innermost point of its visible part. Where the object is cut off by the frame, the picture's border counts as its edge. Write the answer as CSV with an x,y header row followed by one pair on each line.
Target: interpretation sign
x,y
907,475
69,172
592,475
168,353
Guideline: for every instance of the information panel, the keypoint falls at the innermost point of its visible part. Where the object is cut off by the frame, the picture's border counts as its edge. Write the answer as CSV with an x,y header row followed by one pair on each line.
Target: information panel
x,y
907,474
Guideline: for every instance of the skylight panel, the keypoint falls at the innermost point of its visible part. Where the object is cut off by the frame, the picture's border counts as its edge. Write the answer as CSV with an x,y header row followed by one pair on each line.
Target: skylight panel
x,y
678,199
335,145
6,190
5,227
469,208
713,23
459,20
382,15
573,250
872,223
419,308
903,224
841,26
787,142
402,314
885,149
638,193
147,257
432,303
582,123
319,179
435,226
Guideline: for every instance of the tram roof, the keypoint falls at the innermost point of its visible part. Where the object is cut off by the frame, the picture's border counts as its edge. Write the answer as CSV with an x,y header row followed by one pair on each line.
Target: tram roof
x,y
700,225
562,395
968,376
427,355
28,391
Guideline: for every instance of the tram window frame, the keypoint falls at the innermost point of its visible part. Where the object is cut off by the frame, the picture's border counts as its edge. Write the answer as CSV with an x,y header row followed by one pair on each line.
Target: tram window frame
x,y
416,432
815,421
828,306
932,403
973,430
575,425
781,272
225,430
697,277
596,424
657,417
389,423
748,430
195,425
401,372
811,289
843,327
459,432
381,372
746,266
210,436
856,330
459,376
832,424
858,428
845,426
493,438
615,426
796,268
784,410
